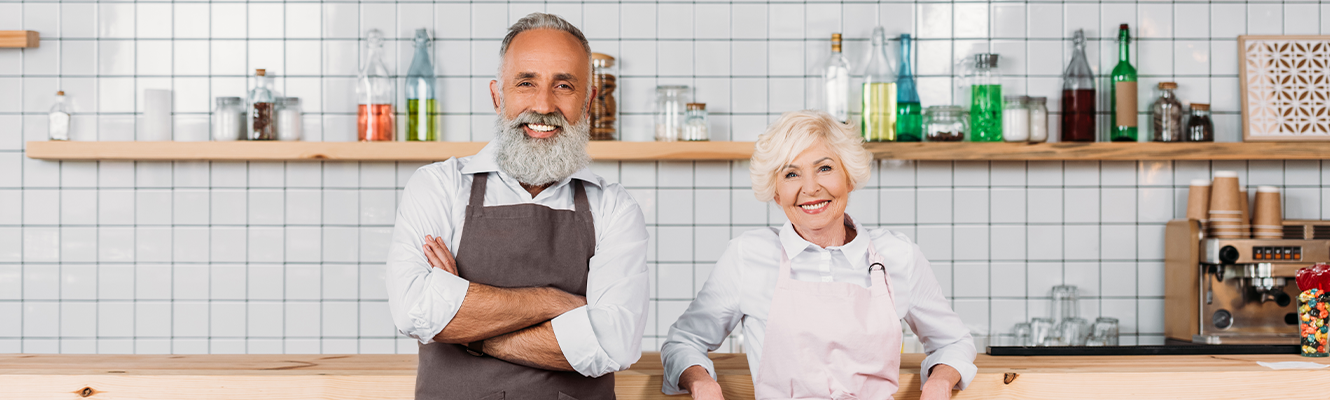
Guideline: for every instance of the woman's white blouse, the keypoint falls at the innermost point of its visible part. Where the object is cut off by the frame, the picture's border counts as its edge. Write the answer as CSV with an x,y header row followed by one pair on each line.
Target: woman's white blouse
x,y
740,288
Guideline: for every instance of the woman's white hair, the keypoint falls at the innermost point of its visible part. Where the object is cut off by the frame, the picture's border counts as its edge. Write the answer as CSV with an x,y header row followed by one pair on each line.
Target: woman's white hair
x,y
795,132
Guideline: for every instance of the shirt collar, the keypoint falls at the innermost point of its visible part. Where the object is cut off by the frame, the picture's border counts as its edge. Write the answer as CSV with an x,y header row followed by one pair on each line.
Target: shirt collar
x,y
487,161
856,249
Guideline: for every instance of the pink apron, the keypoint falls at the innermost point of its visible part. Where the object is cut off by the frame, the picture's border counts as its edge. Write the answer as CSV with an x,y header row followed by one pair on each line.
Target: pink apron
x,y
831,340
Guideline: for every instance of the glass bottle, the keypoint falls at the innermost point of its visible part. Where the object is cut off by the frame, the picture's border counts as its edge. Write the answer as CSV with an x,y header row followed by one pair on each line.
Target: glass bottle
x,y
1122,126
1078,95
1199,126
909,114
985,100
670,101
422,118
228,120
1038,119
289,124
944,124
835,90
1015,119
604,110
374,95
695,127
262,125
59,118
879,93
1166,115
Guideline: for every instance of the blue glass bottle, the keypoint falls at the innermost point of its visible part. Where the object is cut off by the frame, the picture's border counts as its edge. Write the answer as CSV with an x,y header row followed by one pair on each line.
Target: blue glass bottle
x,y
909,114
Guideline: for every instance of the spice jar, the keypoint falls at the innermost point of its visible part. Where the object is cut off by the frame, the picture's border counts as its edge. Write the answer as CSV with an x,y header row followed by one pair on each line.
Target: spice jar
x,y
1199,126
1038,119
1015,119
670,100
1166,114
228,120
944,124
289,126
604,111
695,123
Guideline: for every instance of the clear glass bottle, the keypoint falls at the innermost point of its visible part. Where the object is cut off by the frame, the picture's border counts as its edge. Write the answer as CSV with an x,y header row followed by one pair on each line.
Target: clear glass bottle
x,y
944,124
1166,115
374,95
879,93
59,118
909,114
669,116
835,89
228,119
604,110
262,125
1038,119
1078,95
289,125
422,118
1015,119
1199,126
985,99
695,127
1122,127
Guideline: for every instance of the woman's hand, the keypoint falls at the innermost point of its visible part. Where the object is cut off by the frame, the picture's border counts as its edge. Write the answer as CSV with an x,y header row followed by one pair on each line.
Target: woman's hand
x,y
940,381
699,384
438,255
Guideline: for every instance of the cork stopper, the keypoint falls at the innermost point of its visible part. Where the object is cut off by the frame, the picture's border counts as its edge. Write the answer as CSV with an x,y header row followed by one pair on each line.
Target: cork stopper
x,y
1168,85
1200,107
60,93
260,72
602,60
835,42
695,106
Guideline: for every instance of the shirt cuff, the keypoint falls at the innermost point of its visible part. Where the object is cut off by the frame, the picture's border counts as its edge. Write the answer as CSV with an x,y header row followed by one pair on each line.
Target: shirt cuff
x,y
579,345
960,363
676,362
438,303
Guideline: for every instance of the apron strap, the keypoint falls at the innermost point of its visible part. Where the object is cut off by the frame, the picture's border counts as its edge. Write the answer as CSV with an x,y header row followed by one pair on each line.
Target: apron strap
x,y
478,183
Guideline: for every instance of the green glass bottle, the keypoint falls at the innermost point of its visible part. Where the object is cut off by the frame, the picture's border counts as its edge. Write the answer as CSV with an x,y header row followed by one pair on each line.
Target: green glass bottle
x,y
909,114
1122,116
422,119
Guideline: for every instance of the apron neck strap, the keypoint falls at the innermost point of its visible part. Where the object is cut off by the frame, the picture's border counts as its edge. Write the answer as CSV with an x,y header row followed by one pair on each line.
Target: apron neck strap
x,y
581,204
478,183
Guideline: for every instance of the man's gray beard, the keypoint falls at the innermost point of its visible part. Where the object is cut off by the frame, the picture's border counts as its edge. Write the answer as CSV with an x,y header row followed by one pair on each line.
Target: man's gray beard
x,y
543,161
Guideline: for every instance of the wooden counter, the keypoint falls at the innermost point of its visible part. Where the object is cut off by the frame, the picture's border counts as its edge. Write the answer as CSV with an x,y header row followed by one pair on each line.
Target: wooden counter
x,y
271,377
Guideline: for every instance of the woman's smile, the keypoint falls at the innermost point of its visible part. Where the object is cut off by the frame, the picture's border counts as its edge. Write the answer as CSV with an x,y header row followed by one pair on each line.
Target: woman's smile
x,y
815,206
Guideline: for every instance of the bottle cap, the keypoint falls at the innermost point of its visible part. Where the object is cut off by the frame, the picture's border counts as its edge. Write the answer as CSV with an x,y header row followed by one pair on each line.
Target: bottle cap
x,y
289,101
1168,85
1122,27
835,37
1039,100
986,60
1200,107
1013,98
602,60
260,72
60,93
696,106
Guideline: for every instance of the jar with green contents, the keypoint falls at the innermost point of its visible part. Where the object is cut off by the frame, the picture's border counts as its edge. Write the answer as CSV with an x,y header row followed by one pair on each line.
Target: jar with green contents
x,y
985,100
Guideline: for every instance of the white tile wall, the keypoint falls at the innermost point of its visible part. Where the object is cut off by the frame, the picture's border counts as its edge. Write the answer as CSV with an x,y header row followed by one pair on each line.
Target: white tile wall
x,y
263,257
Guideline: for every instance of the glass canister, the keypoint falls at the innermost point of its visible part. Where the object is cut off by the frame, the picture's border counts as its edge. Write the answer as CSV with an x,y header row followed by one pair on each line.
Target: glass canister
x,y
985,99
289,126
695,123
228,119
1038,119
1199,126
1166,115
1015,119
944,124
604,111
1312,322
670,101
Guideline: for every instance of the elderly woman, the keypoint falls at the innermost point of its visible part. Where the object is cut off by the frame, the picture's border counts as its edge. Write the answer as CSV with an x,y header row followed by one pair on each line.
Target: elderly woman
x,y
821,298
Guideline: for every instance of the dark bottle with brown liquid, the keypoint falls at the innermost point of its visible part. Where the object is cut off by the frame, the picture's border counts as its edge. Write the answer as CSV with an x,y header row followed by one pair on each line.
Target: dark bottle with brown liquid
x,y
1078,96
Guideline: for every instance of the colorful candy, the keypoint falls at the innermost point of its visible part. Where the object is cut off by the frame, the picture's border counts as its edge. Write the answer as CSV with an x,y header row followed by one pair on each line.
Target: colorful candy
x,y
1314,321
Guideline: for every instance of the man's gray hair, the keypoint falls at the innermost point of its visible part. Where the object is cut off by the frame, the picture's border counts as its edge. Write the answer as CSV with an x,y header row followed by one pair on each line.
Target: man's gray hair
x,y
540,21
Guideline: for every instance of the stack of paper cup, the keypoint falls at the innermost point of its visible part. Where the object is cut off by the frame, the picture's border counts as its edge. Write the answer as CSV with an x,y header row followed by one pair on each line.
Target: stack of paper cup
x,y
1225,211
1268,220
1198,202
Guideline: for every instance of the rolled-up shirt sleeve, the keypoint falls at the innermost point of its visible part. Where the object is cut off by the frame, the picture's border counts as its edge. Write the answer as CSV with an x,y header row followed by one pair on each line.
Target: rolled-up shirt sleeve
x,y
945,338
605,336
705,324
423,300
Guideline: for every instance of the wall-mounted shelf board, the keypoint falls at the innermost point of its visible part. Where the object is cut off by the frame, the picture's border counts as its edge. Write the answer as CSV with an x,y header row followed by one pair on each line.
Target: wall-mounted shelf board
x,y
19,39
647,151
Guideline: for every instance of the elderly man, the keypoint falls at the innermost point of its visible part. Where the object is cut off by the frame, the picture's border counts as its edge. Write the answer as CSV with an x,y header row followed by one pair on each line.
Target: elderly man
x,y
547,296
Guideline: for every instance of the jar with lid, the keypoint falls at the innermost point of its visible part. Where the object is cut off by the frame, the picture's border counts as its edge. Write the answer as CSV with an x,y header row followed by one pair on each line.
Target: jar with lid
x,y
1166,114
289,127
1038,119
944,124
985,94
1015,119
695,123
261,102
604,110
669,117
228,119
1199,126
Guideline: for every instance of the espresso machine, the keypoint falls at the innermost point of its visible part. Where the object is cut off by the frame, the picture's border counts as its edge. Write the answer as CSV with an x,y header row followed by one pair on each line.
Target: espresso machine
x,y
1237,291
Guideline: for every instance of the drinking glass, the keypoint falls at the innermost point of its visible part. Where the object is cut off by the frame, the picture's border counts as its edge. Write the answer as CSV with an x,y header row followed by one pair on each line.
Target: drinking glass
x,y
1104,333
1041,329
1066,303
1021,334
1074,331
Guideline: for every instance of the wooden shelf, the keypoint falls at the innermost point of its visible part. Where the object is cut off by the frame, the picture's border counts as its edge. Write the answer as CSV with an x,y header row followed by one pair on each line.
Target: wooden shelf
x,y
648,151
19,39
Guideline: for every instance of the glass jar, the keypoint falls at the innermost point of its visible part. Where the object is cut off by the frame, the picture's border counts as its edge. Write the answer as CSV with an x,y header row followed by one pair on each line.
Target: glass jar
x,y
604,111
58,128
289,127
985,93
670,101
228,119
1038,119
1015,119
1166,115
695,123
1199,126
261,104
944,124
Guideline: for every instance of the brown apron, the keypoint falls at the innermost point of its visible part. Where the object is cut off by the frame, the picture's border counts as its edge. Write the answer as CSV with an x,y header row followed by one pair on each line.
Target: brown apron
x,y
519,245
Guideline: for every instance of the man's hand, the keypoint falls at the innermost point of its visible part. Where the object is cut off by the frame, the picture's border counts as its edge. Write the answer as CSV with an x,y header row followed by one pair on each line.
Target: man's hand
x,y
699,384
438,255
940,382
